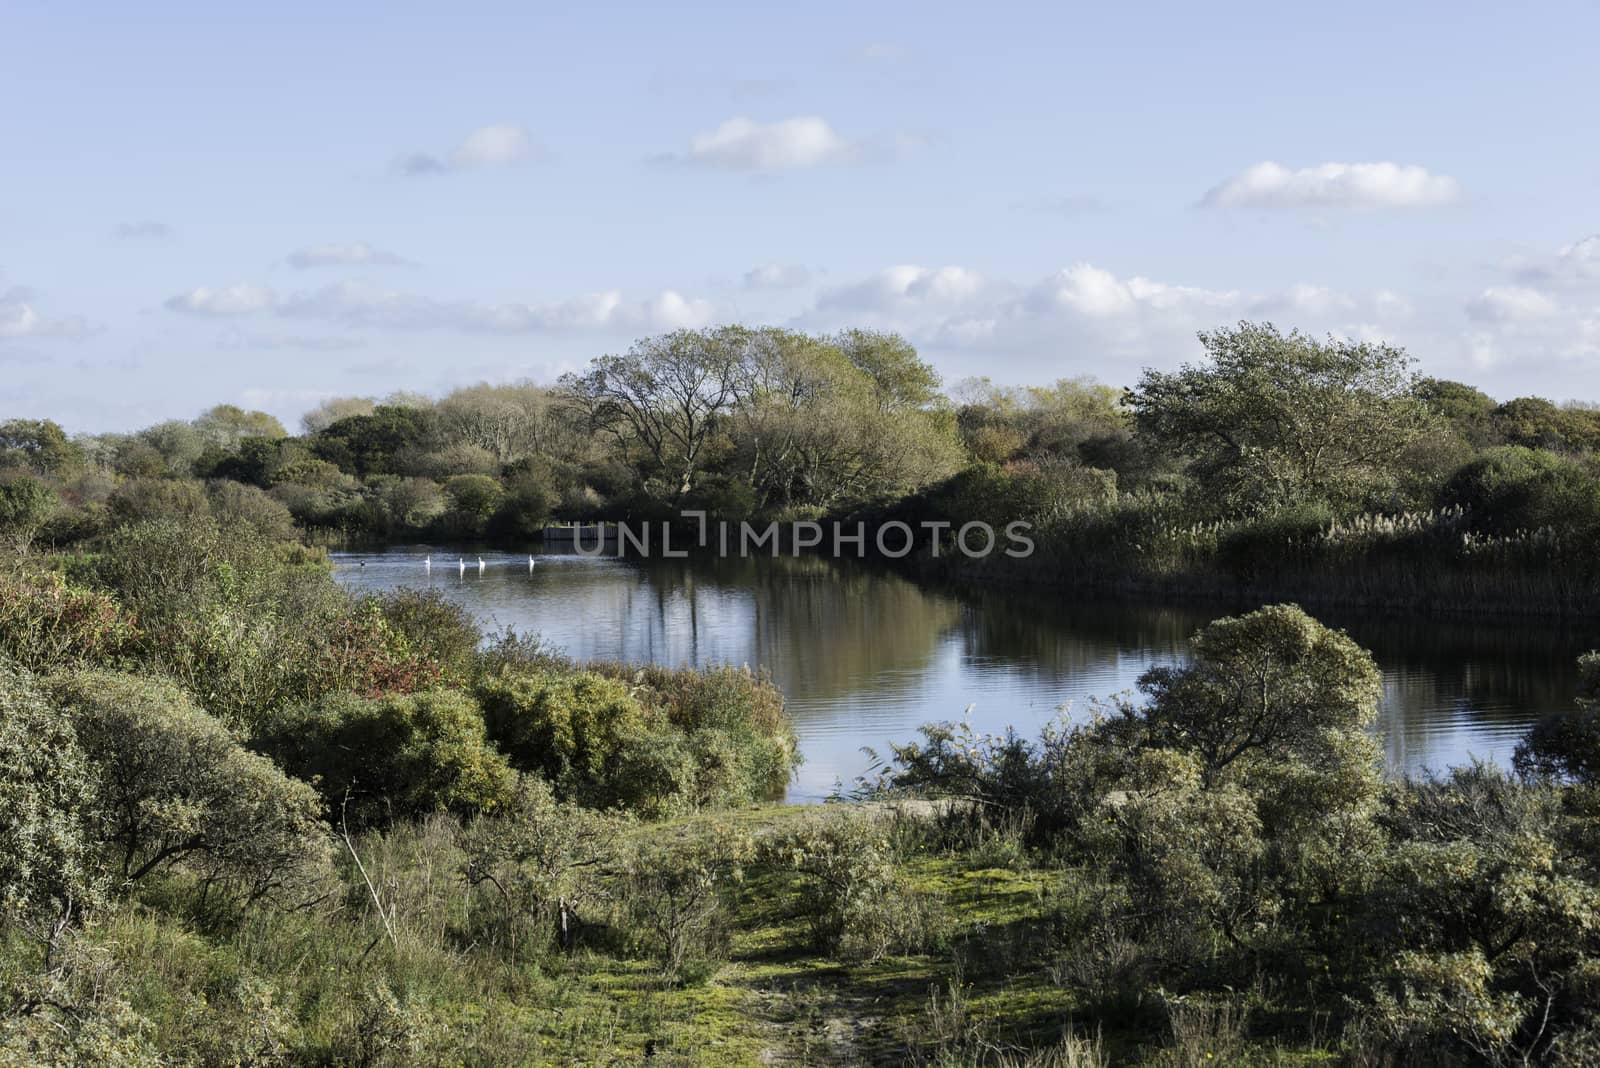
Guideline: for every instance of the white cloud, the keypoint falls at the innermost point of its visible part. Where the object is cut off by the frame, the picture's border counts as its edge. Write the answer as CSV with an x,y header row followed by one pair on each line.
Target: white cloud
x,y
1334,185
1509,303
20,319
777,276
241,299
356,254
494,145
353,304
902,287
742,144
1082,318
1583,256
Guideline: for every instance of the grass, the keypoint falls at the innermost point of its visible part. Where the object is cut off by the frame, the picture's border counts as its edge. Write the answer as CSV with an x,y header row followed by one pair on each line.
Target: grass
x,y
329,986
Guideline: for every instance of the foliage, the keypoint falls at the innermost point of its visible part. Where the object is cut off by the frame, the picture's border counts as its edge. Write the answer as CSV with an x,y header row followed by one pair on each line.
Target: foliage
x,y
176,788
26,504
48,622
392,757
1276,418
532,868
47,869
1566,744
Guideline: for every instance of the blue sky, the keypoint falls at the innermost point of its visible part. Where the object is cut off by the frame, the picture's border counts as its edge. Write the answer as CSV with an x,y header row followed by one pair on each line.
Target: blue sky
x,y
273,205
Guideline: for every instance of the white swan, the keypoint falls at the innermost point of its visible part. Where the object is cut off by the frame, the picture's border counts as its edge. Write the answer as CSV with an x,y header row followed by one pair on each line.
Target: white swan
x,y
480,565
530,563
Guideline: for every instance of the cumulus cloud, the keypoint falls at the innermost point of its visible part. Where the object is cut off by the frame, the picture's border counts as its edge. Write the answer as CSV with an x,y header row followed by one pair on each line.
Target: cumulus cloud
x,y
1334,185
1080,318
224,301
148,230
355,254
495,145
777,276
904,287
1509,303
352,304
742,144
1577,264
20,319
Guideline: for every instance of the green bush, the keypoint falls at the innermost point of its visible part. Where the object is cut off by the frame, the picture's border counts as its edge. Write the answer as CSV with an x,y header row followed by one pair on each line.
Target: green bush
x,y
48,622
176,788
392,757
48,873
1513,489
571,728
856,902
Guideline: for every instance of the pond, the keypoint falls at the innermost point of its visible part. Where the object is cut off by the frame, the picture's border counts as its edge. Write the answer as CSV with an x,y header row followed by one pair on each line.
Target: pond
x,y
864,656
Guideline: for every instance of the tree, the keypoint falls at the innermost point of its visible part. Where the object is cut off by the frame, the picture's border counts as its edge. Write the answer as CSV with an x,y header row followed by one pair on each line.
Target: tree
x,y
38,445
665,398
175,787
1275,419
816,428
1272,682
475,497
334,409
509,422
369,444
227,425
26,505
900,380
1512,488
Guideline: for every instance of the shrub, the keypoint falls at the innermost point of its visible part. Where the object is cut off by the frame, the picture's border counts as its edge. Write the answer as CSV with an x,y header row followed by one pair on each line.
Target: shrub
x,y
47,870
176,788
856,902
1566,744
677,898
1513,489
735,726
572,728
531,868
393,756
48,622
26,504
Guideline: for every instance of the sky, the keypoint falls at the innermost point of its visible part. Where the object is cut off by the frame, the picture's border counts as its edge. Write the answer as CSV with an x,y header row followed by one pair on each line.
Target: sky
x,y
275,204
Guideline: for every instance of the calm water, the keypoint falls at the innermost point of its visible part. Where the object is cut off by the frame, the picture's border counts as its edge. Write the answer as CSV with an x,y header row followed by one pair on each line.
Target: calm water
x,y
865,656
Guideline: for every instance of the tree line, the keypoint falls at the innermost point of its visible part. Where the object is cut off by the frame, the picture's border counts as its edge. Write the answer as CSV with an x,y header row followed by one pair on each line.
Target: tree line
x,y
1273,452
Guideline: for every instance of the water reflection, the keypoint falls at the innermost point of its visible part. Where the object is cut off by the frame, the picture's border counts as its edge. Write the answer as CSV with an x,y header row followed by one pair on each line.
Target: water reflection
x,y
865,656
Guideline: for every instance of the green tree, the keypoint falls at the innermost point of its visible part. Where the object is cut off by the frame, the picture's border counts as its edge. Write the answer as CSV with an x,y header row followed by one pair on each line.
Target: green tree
x,y
26,505
661,402
38,445
1271,683
227,425
475,496
1513,488
1272,418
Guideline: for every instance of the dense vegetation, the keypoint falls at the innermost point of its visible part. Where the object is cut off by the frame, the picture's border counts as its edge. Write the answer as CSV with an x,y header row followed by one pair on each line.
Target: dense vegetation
x,y
247,818
1278,465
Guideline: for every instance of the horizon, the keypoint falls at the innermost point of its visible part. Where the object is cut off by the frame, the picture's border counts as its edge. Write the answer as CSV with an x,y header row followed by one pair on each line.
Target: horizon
x,y
270,211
